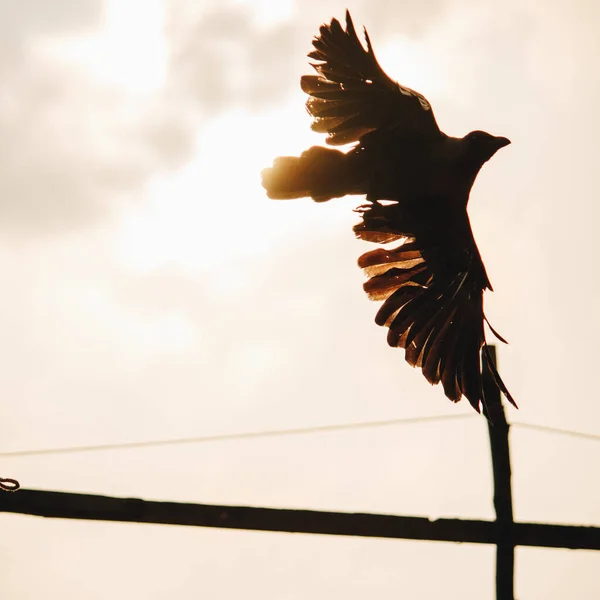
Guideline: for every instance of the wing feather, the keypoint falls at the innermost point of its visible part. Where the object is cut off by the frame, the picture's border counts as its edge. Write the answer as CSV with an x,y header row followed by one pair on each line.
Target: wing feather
x,y
432,288
351,95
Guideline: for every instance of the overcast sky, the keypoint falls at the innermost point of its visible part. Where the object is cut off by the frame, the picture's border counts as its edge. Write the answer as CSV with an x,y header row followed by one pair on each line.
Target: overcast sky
x,y
152,291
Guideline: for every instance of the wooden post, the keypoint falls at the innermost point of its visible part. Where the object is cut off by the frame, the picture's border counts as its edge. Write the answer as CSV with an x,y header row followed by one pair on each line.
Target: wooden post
x,y
498,431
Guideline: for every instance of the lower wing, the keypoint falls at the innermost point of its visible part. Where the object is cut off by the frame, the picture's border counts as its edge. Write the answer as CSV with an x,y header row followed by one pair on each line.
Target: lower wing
x,y
432,288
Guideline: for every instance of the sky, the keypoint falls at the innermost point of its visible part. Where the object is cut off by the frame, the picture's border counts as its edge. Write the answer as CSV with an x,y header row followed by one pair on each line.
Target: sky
x,y
152,292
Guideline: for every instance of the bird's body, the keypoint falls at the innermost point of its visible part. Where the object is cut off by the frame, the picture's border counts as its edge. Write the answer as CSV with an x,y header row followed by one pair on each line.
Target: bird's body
x,y
417,182
408,167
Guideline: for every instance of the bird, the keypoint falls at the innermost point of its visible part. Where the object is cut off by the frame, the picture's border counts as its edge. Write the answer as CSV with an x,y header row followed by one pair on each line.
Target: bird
x,y
416,181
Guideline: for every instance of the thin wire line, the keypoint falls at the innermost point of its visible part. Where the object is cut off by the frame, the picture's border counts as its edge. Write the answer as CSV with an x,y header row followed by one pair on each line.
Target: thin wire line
x,y
577,434
284,432
237,436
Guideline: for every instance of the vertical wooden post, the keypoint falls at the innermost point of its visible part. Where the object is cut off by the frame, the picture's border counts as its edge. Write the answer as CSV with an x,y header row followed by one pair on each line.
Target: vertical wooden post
x,y
498,431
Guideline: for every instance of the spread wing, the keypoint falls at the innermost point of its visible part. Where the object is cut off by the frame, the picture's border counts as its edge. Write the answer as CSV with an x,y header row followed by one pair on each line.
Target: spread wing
x,y
352,95
432,288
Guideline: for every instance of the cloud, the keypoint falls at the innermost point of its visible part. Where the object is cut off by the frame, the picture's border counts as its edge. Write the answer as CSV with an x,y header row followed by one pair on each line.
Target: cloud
x,y
222,57
19,21
80,141
77,148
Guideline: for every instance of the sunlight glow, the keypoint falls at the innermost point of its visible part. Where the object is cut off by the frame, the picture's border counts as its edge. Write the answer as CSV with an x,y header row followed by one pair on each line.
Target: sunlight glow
x,y
214,209
131,58
268,13
410,62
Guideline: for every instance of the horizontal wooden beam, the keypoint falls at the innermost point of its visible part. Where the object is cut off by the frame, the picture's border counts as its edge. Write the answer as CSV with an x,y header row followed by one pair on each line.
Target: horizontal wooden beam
x,y
65,505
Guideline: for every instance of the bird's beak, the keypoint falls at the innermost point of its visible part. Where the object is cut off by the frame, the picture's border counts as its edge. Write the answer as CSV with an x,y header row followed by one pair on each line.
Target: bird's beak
x,y
500,142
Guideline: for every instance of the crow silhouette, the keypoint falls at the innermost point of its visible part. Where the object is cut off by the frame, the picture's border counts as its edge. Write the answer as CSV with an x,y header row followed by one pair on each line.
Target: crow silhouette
x,y
417,182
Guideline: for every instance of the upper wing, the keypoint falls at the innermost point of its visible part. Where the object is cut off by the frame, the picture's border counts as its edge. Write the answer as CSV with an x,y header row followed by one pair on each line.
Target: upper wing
x,y
351,95
432,286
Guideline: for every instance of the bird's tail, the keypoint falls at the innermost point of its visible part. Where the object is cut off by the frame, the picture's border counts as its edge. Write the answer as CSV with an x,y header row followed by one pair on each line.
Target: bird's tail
x,y
319,173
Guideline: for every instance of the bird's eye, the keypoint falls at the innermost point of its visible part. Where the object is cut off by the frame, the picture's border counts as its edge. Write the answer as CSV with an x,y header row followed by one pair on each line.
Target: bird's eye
x,y
477,138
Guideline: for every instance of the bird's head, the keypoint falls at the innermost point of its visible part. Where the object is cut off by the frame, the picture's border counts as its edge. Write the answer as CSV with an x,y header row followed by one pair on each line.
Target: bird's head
x,y
481,146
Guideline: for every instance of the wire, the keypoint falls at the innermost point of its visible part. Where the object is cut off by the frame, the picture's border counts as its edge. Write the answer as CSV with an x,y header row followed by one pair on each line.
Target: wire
x,y
236,436
577,434
283,432
9,485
